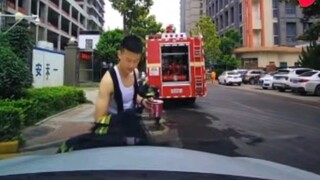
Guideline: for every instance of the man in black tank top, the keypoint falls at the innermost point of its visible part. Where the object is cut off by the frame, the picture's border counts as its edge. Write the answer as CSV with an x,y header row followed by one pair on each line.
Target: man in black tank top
x,y
106,131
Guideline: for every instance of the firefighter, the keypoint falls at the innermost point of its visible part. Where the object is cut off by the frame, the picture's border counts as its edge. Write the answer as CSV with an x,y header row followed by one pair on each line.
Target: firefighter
x,y
116,121
213,77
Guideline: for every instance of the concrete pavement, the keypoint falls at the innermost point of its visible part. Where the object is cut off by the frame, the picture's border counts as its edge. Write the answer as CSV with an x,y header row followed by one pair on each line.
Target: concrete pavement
x,y
302,98
234,121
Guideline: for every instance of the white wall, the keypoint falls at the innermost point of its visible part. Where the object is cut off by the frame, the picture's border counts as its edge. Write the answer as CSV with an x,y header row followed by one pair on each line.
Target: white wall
x,y
54,61
82,40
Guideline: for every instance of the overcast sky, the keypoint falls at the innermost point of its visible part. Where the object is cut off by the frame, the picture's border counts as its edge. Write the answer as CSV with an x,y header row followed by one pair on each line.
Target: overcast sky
x,y
166,12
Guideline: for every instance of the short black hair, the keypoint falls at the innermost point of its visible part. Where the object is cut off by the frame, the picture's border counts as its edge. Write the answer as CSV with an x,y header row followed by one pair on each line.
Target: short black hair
x,y
132,43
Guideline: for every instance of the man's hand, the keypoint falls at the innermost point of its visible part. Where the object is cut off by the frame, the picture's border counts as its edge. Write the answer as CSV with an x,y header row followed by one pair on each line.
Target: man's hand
x,y
147,103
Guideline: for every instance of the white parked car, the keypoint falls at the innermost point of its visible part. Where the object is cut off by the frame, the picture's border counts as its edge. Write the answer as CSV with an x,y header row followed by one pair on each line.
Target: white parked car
x,y
266,81
230,77
308,82
281,80
240,71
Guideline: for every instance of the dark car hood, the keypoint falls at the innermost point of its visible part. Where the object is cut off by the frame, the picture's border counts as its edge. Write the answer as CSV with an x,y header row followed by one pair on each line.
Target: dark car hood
x,y
152,159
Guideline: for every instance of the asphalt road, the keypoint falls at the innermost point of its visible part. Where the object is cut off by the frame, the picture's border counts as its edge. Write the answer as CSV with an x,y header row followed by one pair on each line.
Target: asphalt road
x,y
235,122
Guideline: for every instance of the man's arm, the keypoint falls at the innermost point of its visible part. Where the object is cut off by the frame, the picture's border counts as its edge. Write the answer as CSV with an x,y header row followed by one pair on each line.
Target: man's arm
x,y
137,73
103,101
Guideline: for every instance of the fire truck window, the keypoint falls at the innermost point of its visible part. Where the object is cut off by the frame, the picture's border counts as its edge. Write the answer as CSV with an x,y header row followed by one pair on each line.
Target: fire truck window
x,y
175,63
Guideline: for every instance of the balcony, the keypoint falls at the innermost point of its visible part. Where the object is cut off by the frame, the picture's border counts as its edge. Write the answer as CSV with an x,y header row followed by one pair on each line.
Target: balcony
x,y
53,5
65,13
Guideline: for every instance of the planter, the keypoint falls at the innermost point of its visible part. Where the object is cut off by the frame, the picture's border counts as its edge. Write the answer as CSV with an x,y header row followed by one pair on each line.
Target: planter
x,y
9,147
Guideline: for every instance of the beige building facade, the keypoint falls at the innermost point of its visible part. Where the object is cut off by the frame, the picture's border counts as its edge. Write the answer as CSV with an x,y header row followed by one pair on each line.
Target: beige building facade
x,y
260,49
269,29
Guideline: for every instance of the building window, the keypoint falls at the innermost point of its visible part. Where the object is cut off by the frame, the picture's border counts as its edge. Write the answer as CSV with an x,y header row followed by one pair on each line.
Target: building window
x,y
89,43
275,8
232,15
221,22
290,9
291,30
241,35
226,19
276,40
275,4
283,64
276,29
212,10
276,33
306,26
250,63
217,7
240,12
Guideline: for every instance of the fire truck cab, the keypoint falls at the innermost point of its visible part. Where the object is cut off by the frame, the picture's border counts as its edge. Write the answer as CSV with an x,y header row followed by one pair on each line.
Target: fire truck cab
x,y
175,65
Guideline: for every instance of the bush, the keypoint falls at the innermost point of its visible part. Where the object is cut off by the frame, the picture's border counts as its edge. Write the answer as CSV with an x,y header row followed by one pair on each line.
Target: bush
x,y
28,108
41,103
10,122
15,75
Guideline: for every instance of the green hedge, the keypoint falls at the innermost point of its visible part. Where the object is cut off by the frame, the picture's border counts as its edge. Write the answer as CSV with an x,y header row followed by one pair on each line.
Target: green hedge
x,y
10,123
43,102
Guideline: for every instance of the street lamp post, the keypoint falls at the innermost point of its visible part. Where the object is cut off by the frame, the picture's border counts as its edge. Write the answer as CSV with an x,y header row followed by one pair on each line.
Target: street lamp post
x,y
19,17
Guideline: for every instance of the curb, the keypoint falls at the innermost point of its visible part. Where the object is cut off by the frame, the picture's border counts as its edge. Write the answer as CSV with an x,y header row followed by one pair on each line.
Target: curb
x,y
9,156
60,113
42,146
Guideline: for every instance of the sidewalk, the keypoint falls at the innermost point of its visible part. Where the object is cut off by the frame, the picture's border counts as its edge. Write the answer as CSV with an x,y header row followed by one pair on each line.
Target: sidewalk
x,y
52,131
47,136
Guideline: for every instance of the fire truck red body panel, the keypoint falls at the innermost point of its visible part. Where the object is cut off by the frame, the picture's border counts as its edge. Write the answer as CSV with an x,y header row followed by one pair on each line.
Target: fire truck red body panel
x,y
175,65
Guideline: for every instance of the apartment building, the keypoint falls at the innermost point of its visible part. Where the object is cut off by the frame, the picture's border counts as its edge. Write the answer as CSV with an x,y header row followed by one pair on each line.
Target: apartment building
x,y
95,11
190,13
59,19
269,29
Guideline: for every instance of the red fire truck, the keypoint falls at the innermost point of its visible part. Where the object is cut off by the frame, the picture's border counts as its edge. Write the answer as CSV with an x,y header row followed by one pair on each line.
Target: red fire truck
x,y
175,65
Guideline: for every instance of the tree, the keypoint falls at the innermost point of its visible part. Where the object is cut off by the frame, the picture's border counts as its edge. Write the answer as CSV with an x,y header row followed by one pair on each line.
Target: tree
x,y
21,41
137,20
229,61
310,57
229,41
136,17
109,44
15,76
207,29
146,26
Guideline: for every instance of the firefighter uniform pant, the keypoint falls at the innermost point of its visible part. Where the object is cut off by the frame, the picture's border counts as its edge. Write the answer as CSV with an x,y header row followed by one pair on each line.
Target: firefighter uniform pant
x,y
121,127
